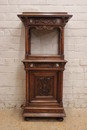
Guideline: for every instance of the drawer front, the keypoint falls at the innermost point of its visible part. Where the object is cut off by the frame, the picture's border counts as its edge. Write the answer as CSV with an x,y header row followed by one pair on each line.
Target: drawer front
x,y
43,65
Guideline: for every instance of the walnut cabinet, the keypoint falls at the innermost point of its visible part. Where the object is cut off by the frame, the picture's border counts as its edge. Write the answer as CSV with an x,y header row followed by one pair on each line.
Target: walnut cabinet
x,y
44,63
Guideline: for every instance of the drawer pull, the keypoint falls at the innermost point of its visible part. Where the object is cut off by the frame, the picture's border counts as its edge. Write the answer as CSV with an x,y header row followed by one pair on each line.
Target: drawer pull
x,y
31,65
31,20
57,65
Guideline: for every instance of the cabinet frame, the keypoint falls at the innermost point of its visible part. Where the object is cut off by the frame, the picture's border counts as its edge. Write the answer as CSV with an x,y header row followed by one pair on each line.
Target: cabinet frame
x,y
44,73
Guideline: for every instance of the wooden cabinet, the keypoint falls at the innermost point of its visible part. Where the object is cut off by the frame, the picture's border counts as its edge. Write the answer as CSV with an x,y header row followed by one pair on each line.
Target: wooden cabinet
x,y
44,72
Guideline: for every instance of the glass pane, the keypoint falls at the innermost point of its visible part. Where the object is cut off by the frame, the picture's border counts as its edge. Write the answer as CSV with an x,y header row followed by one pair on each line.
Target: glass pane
x,y
44,42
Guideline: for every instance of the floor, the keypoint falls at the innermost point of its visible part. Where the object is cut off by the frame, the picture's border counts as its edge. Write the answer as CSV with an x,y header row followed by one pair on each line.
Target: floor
x,y
11,119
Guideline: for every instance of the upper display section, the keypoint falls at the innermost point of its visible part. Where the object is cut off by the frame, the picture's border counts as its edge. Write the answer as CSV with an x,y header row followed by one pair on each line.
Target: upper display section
x,y
44,33
55,18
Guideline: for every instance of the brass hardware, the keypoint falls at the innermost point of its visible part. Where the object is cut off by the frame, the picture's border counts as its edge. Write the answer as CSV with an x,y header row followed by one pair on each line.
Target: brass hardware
x,y
31,65
57,65
31,20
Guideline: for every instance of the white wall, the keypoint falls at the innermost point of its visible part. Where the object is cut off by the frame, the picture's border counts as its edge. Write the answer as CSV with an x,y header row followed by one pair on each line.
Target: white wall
x,y
12,75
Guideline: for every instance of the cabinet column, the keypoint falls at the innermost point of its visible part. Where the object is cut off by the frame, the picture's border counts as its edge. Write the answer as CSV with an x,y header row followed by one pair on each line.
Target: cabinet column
x,y
60,86
27,87
27,41
62,43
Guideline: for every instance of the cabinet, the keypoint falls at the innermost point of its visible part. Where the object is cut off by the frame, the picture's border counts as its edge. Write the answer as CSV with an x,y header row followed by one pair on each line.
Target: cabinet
x,y
44,63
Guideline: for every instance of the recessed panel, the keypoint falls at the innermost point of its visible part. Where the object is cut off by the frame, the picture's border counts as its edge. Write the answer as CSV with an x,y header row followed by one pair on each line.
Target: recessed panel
x,y
43,84
44,42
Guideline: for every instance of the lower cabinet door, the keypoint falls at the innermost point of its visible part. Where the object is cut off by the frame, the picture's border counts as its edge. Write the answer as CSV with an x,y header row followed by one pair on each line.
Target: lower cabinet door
x,y
43,86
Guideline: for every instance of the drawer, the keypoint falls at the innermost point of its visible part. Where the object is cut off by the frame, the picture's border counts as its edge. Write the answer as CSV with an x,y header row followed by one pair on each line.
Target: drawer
x,y
43,65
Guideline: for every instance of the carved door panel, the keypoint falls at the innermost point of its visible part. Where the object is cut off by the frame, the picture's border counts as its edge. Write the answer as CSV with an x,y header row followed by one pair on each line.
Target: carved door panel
x,y
43,86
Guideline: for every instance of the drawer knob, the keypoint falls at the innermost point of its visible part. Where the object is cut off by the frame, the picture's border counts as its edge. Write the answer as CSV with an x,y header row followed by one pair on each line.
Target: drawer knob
x,y
57,65
31,65
31,20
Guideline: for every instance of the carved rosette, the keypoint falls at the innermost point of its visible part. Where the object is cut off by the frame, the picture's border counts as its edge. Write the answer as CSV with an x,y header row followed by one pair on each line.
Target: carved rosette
x,y
44,86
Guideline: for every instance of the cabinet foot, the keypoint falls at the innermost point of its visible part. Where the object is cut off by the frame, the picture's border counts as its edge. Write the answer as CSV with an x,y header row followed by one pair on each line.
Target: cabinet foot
x,y
60,119
26,118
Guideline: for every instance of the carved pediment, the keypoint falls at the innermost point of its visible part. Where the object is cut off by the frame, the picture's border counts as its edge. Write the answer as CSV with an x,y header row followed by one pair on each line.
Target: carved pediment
x,y
46,18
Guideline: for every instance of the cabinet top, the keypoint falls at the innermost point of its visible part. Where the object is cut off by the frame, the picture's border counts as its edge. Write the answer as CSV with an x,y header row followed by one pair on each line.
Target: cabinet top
x,y
44,14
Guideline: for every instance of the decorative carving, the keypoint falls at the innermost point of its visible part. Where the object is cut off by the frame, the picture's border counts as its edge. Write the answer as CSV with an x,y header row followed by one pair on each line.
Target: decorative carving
x,y
44,86
44,21
44,27
24,21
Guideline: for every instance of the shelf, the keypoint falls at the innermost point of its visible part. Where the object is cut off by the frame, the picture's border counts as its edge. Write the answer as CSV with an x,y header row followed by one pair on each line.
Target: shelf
x,y
64,61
